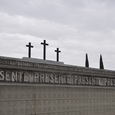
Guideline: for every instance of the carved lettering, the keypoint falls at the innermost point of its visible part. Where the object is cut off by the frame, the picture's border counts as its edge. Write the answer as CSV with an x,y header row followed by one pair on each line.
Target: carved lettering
x,y
20,75
68,79
79,80
51,78
83,81
14,76
26,77
1,75
47,78
31,78
8,78
61,79
42,78
54,78
76,80
86,80
36,77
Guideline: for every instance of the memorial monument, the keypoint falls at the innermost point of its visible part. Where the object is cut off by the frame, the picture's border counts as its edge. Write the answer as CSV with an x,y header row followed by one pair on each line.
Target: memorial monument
x,y
31,86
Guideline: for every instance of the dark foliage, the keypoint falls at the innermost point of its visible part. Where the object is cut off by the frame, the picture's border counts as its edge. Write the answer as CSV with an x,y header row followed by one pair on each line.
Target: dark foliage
x,y
101,62
86,61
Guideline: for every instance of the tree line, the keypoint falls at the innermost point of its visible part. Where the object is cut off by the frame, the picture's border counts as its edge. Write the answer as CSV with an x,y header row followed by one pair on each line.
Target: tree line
x,y
101,65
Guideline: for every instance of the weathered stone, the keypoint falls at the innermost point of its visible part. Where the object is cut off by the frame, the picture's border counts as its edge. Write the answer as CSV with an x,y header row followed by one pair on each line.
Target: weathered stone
x,y
40,87
42,61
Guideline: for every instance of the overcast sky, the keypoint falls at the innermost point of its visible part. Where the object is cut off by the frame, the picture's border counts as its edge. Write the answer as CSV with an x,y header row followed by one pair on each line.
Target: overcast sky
x,y
77,27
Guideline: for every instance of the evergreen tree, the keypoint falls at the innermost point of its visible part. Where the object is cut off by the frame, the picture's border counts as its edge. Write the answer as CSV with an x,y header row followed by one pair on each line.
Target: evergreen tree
x,y
86,61
101,62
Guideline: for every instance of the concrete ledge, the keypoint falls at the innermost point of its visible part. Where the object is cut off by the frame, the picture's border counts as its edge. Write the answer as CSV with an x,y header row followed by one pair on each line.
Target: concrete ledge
x,y
54,85
41,61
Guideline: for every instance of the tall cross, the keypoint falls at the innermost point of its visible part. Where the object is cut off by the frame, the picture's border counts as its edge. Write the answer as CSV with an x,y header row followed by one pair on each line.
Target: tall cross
x,y
44,48
29,49
57,54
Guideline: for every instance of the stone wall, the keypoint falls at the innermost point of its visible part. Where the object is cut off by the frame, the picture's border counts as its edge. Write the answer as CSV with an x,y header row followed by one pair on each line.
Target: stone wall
x,y
45,95
42,100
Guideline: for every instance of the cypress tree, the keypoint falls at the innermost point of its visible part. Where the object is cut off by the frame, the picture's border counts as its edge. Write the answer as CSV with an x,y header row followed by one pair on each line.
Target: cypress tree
x,y
101,62
86,61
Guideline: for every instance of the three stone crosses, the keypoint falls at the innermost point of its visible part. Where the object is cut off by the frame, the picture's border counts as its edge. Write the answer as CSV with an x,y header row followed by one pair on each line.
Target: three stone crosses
x,y
44,50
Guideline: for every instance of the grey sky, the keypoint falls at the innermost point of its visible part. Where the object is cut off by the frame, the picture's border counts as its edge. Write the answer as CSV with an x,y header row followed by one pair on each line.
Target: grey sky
x,y
77,27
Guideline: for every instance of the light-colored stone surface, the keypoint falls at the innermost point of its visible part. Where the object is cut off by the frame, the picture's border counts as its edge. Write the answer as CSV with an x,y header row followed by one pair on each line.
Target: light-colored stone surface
x,y
36,100
35,60
20,95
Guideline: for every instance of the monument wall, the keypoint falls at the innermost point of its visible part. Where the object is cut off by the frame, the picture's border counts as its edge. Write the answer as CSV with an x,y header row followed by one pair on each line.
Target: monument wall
x,y
28,87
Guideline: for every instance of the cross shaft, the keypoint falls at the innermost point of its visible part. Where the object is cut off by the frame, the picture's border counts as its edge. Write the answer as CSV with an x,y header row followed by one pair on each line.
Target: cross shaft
x,y
57,51
44,49
29,49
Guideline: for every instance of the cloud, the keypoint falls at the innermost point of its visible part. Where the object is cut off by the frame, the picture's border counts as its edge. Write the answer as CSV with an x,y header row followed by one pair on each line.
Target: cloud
x,y
76,27
40,28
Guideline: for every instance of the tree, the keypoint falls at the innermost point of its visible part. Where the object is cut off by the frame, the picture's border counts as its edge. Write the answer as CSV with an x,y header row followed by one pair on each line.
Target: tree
x,y
101,62
86,61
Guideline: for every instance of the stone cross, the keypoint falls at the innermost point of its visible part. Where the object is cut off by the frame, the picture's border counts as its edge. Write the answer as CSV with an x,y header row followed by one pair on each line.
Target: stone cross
x,y
29,49
44,48
57,54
